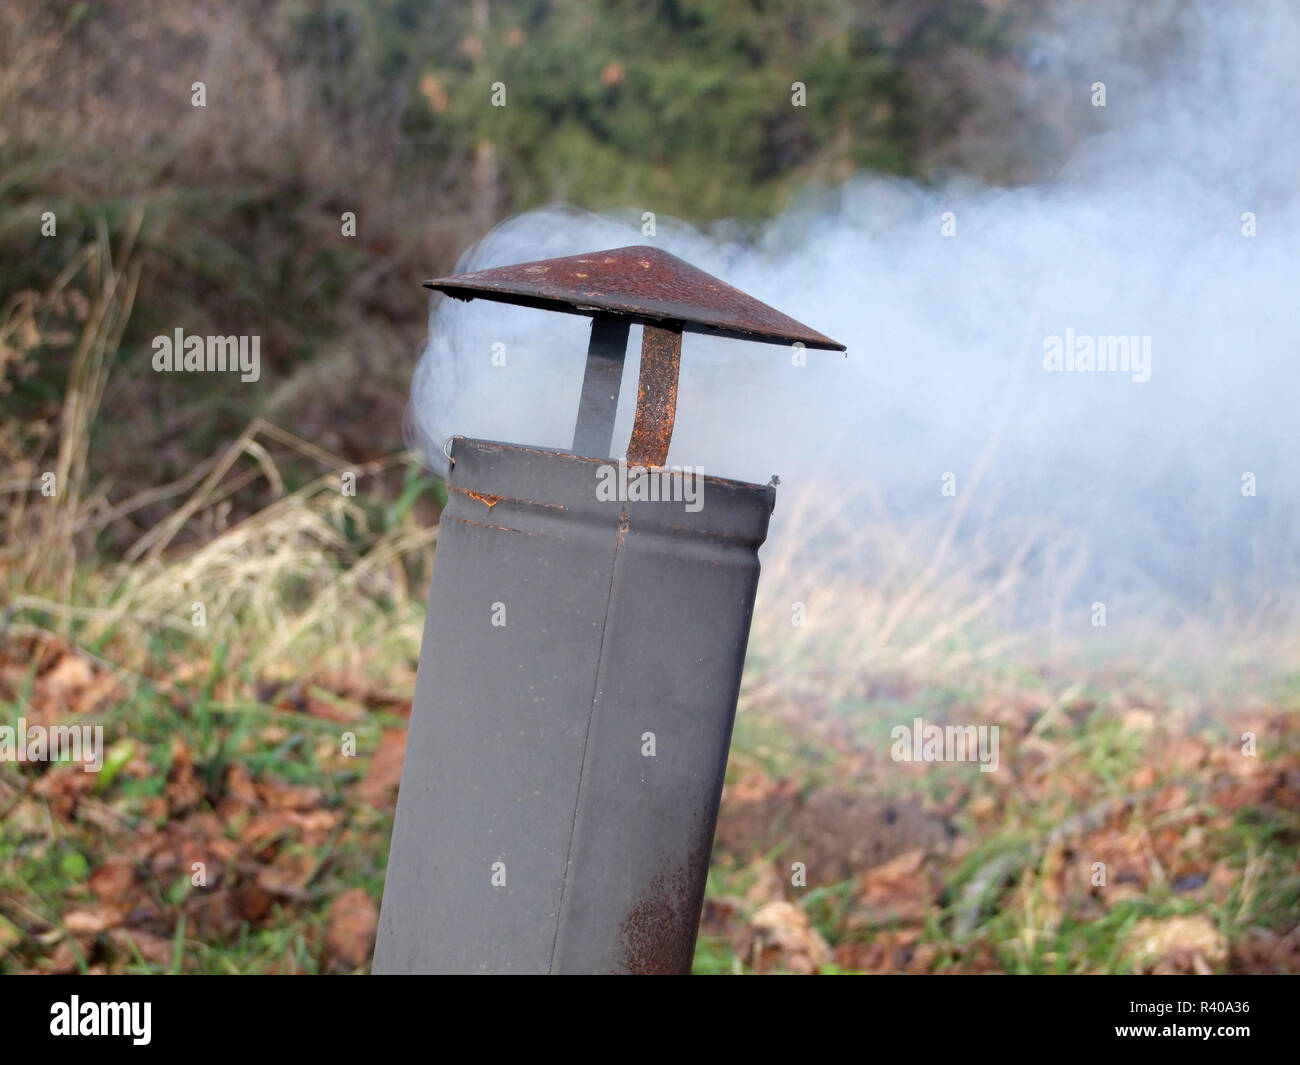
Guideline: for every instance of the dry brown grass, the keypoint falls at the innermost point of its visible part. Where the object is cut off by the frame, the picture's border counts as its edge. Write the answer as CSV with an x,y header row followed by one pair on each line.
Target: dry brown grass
x,y
308,572
915,602
41,540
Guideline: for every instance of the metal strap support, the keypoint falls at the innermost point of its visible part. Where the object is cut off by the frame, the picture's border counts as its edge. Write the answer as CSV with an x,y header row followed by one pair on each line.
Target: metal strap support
x,y
593,435
656,397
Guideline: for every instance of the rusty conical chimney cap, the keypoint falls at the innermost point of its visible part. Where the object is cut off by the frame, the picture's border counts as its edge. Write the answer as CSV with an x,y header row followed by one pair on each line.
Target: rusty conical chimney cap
x,y
640,283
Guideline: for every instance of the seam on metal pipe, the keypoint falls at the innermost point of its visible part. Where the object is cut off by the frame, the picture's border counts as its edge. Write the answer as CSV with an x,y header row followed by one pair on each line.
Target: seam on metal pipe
x,y
586,741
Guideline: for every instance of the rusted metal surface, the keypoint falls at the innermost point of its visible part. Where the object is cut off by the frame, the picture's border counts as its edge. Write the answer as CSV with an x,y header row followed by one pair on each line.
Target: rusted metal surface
x,y
656,397
658,934
643,283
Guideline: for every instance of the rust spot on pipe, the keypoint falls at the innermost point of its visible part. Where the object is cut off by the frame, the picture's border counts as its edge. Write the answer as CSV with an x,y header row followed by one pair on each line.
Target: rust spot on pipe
x,y
656,397
491,500
497,528
659,931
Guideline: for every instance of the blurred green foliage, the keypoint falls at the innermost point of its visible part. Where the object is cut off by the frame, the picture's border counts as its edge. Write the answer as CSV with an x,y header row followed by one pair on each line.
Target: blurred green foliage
x,y
680,106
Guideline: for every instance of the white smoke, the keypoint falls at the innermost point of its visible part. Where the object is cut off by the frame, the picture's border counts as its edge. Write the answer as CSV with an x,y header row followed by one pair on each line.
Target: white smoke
x,y
1140,234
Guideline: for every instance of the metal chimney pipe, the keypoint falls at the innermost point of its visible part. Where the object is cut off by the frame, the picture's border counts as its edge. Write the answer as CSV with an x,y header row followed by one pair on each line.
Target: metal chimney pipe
x,y
581,659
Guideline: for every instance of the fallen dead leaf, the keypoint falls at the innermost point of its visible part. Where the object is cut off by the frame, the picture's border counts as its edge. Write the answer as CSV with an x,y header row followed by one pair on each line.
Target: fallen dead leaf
x,y
183,789
263,830
1186,943
112,880
1139,720
69,676
899,890
767,886
782,938
316,824
1143,778
285,797
379,788
888,951
288,874
92,921
350,934
239,785
252,902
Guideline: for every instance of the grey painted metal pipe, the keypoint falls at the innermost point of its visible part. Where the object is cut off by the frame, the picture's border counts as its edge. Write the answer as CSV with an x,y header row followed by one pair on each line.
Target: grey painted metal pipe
x,y
572,716
581,661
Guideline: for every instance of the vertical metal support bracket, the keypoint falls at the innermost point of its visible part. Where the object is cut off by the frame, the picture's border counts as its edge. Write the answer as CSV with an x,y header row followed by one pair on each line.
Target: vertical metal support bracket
x,y
593,435
656,397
